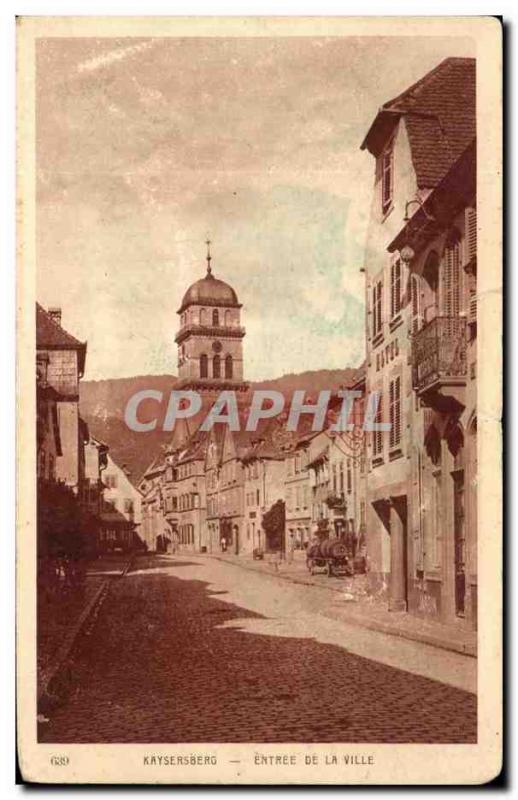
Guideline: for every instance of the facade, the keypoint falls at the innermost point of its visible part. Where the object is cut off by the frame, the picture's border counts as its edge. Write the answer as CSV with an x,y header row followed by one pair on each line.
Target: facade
x,y
47,425
263,485
417,299
213,459
92,489
297,493
121,512
65,359
230,500
191,511
156,531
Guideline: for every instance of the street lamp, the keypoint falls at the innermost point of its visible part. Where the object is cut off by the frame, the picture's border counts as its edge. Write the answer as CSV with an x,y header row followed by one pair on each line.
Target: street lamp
x,y
407,253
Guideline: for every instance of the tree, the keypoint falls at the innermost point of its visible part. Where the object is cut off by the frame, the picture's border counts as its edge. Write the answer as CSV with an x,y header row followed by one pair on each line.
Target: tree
x,y
274,525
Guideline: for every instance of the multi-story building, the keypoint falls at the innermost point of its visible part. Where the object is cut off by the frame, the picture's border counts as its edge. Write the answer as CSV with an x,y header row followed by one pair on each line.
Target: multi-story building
x,y
297,494
156,531
95,461
263,465
417,139
191,495
64,356
440,241
121,512
47,423
230,499
213,458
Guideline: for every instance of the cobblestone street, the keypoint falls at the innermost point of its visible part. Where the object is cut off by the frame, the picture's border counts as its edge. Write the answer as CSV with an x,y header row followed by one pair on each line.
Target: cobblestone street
x,y
188,649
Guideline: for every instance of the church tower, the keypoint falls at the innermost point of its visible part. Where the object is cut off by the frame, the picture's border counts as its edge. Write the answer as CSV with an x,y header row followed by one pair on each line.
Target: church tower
x,y
210,338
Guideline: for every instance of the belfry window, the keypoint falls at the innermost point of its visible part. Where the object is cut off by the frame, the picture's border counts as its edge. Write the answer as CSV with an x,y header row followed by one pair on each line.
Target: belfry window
x,y
204,366
228,367
215,317
216,367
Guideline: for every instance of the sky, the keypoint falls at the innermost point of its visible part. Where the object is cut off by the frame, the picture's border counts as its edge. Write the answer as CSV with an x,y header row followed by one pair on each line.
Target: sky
x,y
145,147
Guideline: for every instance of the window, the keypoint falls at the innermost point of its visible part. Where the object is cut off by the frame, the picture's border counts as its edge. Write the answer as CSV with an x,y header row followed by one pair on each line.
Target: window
x,y
395,412
215,317
349,477
377,304
341,477
203,316
204,366
387,163
228,367
395,288
216,367
228,318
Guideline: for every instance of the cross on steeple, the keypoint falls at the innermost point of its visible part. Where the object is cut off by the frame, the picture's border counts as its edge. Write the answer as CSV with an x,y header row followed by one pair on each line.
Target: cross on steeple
x,y
209,257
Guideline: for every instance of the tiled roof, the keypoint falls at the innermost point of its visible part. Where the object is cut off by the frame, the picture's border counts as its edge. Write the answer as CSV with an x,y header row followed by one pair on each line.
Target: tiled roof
x,y
50,334
440,116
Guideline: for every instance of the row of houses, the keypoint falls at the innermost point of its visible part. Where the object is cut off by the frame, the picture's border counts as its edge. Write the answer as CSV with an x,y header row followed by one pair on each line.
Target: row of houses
x,y
405,497
73,467
211,490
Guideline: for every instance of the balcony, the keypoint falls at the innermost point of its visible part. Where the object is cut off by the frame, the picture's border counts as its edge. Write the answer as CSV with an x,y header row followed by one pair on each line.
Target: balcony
x,y
439,364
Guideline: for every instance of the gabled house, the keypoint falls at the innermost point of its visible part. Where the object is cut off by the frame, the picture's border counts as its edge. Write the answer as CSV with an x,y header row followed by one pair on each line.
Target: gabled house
x,y
121,512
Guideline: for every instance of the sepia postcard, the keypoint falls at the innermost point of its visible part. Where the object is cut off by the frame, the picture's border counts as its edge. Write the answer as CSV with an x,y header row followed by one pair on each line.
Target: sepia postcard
x,y
259,388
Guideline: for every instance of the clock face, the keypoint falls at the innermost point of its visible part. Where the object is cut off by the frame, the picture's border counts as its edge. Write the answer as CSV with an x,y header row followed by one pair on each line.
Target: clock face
x,y
217,346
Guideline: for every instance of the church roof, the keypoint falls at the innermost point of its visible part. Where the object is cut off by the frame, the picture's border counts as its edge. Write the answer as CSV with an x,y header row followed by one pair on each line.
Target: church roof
x,y
209,291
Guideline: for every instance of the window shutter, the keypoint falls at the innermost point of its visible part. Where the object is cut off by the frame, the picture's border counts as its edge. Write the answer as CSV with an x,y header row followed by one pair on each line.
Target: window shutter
x,y
415,300
451,280
397,409
473,308
377,440
470,234
392,414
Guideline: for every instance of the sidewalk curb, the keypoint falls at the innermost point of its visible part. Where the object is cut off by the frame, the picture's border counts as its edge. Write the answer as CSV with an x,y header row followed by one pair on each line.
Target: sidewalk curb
x,y
63,654
463,648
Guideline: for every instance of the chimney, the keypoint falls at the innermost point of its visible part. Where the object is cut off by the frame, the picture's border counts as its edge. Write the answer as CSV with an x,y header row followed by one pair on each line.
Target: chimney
x,y
55,313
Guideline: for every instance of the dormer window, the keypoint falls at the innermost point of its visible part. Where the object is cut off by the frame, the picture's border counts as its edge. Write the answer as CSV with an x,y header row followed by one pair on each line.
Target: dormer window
x,y
387,179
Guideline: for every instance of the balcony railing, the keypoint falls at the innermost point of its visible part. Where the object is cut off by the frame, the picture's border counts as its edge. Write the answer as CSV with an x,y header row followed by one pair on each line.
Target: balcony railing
x,y
439,353
232,331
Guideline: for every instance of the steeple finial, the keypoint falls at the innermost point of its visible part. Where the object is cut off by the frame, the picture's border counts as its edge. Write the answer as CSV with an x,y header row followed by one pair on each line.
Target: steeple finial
x,y
209,257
